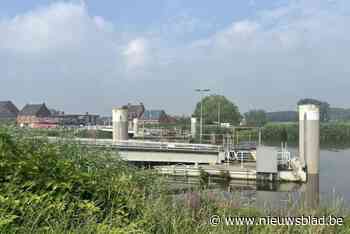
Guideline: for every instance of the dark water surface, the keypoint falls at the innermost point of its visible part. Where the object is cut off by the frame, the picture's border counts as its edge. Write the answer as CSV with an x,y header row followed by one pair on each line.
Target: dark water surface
x,y
335,173
332,184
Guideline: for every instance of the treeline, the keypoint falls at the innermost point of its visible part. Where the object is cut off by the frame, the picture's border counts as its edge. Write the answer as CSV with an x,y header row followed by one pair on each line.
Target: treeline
x,y
335,114
329,132
339,114
282,116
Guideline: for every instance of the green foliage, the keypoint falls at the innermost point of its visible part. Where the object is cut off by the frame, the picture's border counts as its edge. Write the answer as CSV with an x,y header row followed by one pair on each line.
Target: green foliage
x,y
255,118
98,134
273,131
213,104
45,187
64,188
282,116
339,114
203,178
332,132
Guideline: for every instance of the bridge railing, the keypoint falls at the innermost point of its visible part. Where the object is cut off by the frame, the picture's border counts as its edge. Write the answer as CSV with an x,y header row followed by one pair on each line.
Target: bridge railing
x,y
284,157
167,146
146,144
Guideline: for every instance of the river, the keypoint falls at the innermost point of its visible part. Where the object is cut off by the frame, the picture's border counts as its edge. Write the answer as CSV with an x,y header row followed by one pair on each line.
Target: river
x,y
332,185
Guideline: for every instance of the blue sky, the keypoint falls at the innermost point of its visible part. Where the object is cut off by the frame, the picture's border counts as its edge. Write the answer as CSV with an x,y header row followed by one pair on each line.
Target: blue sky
x,y
92,55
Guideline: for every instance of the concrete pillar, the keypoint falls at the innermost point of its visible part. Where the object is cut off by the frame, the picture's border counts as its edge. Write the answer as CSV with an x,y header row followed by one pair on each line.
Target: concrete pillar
x,y
309,137
120,124
212,138
193,127
135,126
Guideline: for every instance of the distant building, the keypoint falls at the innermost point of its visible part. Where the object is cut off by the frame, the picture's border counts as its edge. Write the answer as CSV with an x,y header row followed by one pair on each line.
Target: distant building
x,y
135,111
104,120
8,111
77,119
156,117
36,116
55,112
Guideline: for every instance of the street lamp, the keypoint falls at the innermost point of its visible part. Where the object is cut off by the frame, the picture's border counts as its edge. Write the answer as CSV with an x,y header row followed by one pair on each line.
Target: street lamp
x,y
201,124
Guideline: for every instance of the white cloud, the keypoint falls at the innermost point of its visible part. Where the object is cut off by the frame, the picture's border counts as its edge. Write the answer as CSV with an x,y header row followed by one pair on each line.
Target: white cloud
x,y
56,26
274,57
136,53
244,27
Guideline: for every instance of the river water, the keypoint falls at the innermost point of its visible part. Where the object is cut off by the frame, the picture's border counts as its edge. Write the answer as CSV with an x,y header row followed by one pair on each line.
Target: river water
x,y
332,184
335,172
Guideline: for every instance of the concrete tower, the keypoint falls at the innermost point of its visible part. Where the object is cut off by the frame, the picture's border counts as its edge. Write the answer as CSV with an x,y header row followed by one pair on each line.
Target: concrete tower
x,y
135,126
193,127
309,137
120,124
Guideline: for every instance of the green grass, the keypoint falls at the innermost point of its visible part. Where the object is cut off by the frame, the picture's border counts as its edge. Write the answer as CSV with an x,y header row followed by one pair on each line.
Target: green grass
x,y
65,188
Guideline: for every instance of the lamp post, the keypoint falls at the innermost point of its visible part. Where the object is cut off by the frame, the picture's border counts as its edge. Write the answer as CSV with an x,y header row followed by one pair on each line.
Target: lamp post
x,y
201,91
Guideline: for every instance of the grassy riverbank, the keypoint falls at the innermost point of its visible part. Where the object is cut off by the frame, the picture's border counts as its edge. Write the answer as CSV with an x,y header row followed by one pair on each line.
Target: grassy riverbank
x,y
64,188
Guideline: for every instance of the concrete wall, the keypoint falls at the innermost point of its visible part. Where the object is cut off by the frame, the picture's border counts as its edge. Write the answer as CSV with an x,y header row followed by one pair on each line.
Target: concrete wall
x,y
135,126
266,159
149,156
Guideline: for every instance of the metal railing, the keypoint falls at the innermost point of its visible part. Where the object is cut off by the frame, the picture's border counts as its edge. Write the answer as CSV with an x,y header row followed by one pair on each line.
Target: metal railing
x,y
283,157
242,155
145,145
167,146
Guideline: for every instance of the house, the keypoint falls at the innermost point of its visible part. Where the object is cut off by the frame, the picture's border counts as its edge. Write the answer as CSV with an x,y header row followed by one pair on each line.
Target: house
x,y
36,116
155,117
135,111
8,111
77,119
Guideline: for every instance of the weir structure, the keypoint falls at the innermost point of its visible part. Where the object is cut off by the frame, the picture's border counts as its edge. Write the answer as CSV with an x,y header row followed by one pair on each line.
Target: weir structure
x,y
240,161
135,126
120,124
309,150
193,127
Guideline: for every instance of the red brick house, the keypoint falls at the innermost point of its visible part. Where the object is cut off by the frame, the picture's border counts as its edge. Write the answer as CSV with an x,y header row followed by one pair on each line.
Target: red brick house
x,y
36,116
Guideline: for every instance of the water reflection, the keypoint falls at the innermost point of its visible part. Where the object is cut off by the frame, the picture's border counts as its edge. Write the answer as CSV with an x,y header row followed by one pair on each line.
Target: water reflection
x,y
311,191
318,189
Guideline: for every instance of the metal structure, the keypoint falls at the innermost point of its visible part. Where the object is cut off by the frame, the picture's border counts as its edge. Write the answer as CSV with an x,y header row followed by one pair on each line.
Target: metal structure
x,y
266,160
201,91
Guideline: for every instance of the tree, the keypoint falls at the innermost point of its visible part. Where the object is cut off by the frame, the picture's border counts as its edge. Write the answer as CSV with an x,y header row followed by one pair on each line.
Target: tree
x,y
282,116
324,107
255,118
218,107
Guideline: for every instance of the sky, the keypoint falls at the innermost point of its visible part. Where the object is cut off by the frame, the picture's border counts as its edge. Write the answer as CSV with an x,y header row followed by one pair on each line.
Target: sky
x,y
90,56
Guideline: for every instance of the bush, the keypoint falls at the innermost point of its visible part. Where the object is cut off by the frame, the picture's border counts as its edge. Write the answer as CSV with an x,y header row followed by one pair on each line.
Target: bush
x,y
45,187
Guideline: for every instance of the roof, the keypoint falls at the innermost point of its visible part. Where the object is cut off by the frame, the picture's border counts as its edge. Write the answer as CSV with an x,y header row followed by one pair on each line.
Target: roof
x,y
153,114
8,109
134,111
33,109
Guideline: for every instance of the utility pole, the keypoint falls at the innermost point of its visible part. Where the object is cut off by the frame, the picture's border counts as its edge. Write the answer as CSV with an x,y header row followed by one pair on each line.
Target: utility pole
x,y
219,114
201,121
